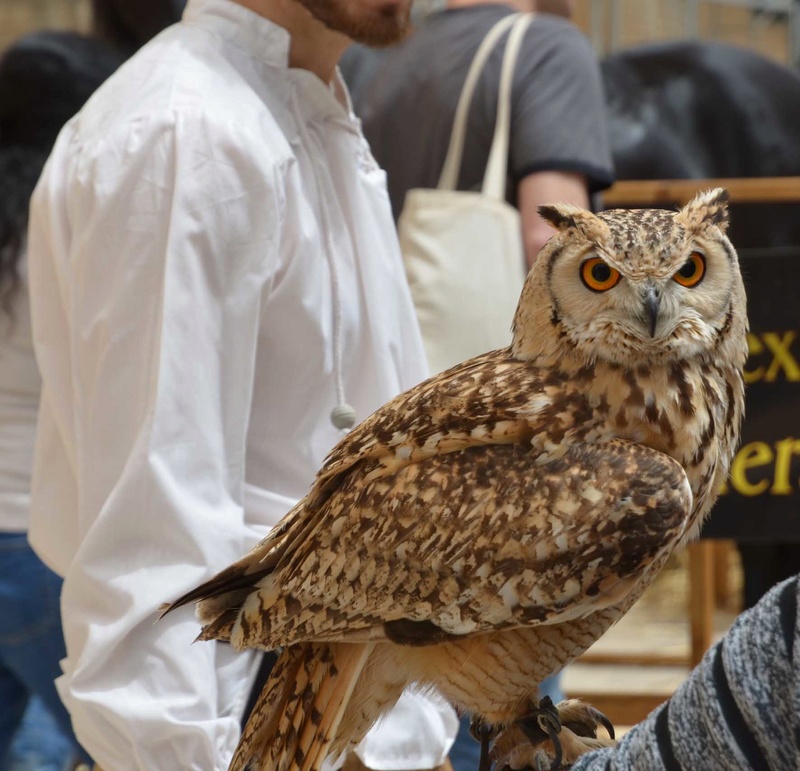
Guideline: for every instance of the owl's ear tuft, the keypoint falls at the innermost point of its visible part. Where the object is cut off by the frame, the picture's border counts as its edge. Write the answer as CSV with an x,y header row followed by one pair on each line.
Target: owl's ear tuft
x,y
704,210
564,216
558,215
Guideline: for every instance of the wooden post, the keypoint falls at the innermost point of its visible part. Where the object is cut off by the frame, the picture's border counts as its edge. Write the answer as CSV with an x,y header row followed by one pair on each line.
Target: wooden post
x,y
723,591
701,598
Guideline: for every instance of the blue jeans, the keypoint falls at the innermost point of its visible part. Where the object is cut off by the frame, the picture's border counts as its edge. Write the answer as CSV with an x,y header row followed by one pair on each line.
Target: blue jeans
x,y
39,743
31,647
465,754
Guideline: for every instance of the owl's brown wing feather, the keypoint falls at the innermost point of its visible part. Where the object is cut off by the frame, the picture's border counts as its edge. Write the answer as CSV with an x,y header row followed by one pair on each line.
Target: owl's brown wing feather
x,y
483,539
484,401
476,401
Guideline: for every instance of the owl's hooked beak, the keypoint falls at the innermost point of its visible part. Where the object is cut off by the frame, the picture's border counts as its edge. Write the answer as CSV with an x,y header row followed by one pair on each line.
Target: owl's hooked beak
x,y
652,301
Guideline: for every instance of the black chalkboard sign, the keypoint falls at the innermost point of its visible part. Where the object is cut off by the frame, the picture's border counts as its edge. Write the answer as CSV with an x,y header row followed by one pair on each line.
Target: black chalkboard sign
x,y
762,498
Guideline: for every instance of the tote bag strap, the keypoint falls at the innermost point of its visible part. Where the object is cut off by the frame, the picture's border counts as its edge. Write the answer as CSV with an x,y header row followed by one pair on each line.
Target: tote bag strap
x,y
452,165
494,181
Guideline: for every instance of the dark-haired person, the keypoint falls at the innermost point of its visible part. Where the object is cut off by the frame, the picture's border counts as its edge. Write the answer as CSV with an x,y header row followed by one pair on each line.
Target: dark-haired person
x,y
128,26
44,80
217,294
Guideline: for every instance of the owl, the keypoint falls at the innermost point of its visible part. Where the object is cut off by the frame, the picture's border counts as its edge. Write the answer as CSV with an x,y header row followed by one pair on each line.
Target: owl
x,y
484,528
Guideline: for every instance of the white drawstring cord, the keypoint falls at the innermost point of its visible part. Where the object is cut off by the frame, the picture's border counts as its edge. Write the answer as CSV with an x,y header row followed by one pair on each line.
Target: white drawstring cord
x,y
343,415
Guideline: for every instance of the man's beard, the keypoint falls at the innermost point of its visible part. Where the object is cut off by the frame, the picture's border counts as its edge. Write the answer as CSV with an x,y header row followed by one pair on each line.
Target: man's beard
x,y
555,7
386,26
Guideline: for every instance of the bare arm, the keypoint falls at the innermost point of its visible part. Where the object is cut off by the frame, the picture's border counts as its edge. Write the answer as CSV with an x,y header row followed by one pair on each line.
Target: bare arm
x,y
546,187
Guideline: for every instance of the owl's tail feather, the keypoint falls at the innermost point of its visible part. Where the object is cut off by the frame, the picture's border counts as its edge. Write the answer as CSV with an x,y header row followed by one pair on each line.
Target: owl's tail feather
x,y
297,716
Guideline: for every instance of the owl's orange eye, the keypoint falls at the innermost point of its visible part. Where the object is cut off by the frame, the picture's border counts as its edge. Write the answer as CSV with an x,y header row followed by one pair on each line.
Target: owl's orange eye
x,y
599,276
692,271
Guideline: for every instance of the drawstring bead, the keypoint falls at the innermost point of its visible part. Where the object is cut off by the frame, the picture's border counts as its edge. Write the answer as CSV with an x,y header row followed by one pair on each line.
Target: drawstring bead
x,y
343,417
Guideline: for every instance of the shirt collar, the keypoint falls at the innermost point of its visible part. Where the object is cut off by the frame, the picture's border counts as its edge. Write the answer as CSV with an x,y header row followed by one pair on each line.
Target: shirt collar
x,y
268,42
260,37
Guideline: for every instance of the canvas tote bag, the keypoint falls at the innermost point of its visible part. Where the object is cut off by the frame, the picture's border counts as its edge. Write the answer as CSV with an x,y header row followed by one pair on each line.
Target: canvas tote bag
x,y
463,251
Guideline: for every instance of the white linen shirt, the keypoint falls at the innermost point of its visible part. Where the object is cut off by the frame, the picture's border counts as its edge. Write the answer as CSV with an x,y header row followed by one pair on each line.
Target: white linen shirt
x,y
182,241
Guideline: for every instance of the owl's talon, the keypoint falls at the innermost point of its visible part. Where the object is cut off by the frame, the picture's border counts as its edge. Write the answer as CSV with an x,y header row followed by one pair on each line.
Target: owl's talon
x,y
603,720
539,724
570,728
583,719
585,729
543,723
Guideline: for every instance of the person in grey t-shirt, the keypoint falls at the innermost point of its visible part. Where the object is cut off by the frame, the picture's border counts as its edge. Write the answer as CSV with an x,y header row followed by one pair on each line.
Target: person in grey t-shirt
x,y
559,147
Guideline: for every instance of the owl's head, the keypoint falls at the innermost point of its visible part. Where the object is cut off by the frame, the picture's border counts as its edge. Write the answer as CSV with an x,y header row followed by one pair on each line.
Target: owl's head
x,y
635,287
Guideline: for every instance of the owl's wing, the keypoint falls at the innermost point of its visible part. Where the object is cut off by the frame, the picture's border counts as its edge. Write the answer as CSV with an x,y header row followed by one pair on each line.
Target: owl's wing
x,y
490,400
467,542
475,402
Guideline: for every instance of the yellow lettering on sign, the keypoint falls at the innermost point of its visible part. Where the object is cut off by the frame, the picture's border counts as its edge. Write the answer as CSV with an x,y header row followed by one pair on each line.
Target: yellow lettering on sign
x,y
783,359
778,456
753,455
784,450
778,345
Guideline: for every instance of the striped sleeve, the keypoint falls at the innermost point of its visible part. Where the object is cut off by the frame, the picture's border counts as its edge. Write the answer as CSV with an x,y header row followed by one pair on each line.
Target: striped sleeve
x,y
735,711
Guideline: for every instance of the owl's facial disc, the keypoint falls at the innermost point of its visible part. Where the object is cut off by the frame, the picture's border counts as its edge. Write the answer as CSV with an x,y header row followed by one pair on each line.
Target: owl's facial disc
x,y
632,287
629,310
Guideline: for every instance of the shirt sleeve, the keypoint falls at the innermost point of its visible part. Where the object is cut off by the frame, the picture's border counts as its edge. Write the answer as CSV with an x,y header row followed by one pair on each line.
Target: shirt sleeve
x,y
174,237
558,114
736,710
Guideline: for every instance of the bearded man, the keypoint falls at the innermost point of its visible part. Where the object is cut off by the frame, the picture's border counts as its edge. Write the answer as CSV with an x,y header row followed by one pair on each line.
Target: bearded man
x,y
217,294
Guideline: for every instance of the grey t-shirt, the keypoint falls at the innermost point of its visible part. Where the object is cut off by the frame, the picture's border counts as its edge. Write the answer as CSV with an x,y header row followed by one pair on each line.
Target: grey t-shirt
x,y
558,113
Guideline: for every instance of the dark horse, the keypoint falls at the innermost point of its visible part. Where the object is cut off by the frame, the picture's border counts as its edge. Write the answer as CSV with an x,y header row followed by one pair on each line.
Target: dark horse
x,y
689,110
